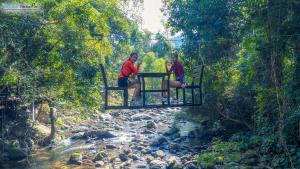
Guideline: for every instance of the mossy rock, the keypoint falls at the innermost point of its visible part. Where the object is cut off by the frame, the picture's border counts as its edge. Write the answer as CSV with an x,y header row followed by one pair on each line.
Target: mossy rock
x,y
100,155
75,158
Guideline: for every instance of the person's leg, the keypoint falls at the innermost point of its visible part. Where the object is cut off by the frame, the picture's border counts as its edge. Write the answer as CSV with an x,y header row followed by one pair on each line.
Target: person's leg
x,y
135,84
164,87
173,84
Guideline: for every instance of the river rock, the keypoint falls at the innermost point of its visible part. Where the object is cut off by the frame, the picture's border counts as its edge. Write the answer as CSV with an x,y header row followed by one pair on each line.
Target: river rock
x,y
146,150
146,131
99,163
174,163
133,156
149,158
127,151
157,164
79,135
123,157
75,158
190,165
140,165
110,146
98,134
138,117
151,125
173,148
100,156
159,153
158,141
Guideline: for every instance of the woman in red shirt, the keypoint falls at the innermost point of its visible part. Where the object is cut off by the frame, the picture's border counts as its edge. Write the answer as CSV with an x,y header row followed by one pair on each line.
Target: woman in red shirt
x,y
125,77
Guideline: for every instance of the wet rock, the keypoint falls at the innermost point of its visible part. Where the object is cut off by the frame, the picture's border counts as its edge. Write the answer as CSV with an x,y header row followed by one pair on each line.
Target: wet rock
x,y
139,147
149,158
140,165
146,131
158,141
99,163
138,117
75,158
173,148
173,130
133,156
157,164
174,163
127,151
151,125
79,135
98,134
159,153
100,156
190,165
123,157
110,146
115,114
146,150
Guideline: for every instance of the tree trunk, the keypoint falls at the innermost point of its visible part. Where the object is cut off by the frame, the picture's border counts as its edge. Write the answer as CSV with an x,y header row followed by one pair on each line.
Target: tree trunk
x,y
53,120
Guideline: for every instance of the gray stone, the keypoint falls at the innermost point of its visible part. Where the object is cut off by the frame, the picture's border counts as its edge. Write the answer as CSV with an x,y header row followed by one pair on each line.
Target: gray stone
x,y
174,163
110,146
157,164
133,156
98,134
190,165
138,117
79,135
158,141
127,151
159,153
151,125
99,163
123,157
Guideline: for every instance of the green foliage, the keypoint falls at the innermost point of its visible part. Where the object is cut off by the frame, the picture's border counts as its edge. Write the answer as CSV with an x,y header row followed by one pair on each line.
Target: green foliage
x,y
251,53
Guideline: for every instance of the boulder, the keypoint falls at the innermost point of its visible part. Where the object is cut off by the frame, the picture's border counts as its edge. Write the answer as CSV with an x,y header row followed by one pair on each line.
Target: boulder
x,y
159,153
151,125
99,163
123,157
100,156
138,117
157,164
110,146
174,163
75,158
158,141
98,134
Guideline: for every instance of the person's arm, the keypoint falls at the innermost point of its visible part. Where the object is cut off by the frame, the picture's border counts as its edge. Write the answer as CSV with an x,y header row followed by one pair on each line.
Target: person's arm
x,y
171,69
135,70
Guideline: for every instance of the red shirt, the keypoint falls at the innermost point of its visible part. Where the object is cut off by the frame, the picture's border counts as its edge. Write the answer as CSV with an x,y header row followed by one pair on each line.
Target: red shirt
x,y
128,68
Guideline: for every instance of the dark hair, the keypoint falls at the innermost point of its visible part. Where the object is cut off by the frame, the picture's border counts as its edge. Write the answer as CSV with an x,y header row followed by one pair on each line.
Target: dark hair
x,y
174,55
133,54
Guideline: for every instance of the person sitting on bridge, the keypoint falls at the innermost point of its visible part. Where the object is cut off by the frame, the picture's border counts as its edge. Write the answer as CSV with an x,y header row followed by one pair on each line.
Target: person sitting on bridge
x,y
126,77
177,69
